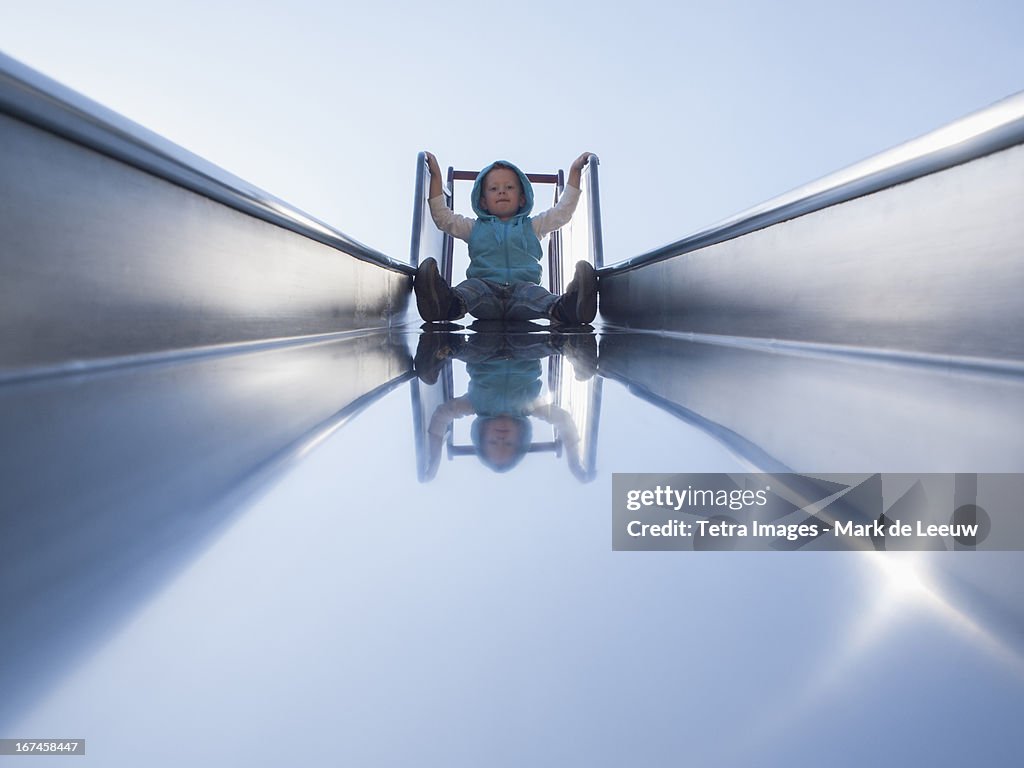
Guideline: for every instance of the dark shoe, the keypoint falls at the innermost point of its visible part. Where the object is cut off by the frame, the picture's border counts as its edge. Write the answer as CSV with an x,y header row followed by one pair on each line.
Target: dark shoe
x,y
434,297
578,305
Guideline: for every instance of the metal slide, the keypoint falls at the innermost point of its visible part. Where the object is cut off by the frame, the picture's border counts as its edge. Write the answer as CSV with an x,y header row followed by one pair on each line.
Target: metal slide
x,y
134,275
174,344
912,253
895,281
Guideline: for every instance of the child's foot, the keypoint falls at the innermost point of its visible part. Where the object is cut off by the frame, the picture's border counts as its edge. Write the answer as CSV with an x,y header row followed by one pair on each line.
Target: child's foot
x,y
433,295
578,305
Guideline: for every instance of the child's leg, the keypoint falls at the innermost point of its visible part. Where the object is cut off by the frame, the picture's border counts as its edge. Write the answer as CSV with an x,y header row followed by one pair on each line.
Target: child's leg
x,y
488,300
527,301
482,299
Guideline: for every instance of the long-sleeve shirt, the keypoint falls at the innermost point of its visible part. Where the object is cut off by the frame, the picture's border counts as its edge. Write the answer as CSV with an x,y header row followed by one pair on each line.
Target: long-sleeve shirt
x,y
461,226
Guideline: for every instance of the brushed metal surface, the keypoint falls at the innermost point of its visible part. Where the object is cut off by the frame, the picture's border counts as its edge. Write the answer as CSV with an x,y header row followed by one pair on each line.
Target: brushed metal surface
x,y
980,133
783,411
427,240
101,260
37,100
113,480
138,568
933,266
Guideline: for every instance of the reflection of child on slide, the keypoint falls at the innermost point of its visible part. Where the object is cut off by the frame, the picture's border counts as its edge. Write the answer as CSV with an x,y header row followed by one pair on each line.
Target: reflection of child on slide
x,y
504,392
501,441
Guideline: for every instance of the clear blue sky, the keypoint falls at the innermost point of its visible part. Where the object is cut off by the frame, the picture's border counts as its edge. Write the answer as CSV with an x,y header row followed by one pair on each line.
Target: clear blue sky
x,y
696,110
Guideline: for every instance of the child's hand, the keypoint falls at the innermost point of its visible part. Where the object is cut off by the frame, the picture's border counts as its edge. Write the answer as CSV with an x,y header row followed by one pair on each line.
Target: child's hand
x,y
577,168
435,175
579,162
435,169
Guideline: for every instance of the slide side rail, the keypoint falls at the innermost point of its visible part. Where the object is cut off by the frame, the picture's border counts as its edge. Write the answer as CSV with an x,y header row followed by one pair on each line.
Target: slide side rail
x,y
981,133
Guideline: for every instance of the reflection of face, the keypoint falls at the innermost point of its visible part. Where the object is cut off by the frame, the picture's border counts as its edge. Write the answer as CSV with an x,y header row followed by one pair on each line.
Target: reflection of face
x,y
502,193
499,440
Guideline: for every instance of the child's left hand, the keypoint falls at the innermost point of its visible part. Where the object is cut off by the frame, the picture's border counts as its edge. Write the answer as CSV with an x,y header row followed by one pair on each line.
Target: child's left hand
x,y
576,169
579,162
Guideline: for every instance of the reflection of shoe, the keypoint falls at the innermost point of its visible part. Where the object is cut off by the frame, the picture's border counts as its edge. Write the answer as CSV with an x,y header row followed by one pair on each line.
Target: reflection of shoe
x,y
578,305
581,350
441,325
434,297
432,351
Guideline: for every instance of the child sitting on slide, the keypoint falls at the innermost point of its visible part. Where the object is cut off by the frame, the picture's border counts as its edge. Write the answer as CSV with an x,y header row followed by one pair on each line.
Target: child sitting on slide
x,y
503,279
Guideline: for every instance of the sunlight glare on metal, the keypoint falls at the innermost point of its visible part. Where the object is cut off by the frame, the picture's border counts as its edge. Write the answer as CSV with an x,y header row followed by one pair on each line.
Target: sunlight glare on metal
x,y
906,580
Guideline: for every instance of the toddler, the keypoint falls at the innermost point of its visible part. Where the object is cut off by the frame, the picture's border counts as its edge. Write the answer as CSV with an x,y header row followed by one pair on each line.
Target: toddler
x,y
503,279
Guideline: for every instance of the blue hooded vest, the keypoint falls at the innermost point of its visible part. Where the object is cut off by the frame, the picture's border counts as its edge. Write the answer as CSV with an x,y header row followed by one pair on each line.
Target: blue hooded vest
x,y
504,251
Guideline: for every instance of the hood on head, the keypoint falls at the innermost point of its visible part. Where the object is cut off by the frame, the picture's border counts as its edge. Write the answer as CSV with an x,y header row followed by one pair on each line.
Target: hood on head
x,y
478,189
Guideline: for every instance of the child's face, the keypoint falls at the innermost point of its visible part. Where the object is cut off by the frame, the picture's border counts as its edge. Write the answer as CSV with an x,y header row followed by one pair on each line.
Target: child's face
x,y
499,440
502,193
